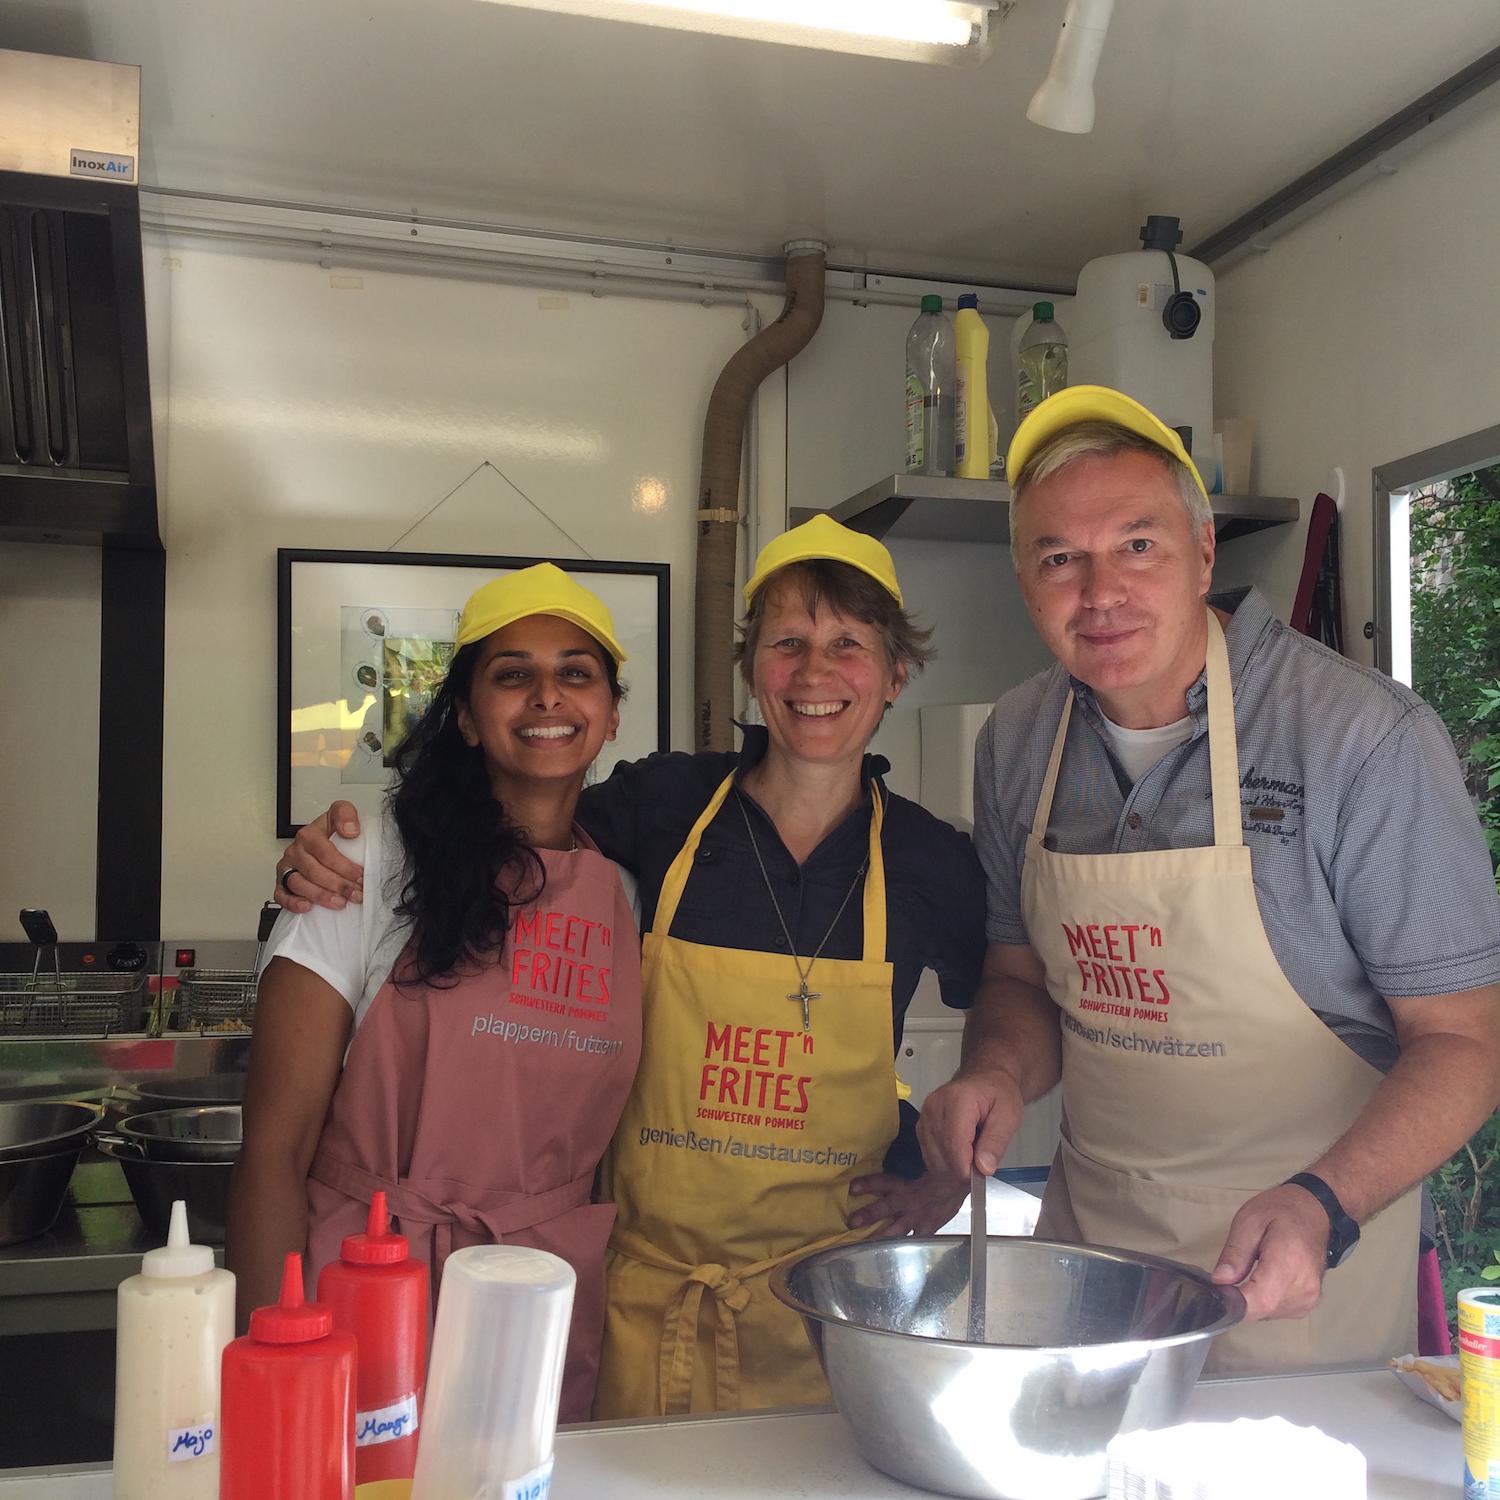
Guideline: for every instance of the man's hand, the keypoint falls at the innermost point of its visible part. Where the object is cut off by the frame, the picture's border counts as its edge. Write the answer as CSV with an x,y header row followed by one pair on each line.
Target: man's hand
x,y
1011,1054
919,1205
1276,1253
969,1123
311,872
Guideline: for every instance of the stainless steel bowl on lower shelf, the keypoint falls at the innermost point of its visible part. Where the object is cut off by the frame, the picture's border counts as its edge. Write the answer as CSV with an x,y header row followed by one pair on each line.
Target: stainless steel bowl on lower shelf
x,y
40,1142
206,1134
1081,1344
203,1185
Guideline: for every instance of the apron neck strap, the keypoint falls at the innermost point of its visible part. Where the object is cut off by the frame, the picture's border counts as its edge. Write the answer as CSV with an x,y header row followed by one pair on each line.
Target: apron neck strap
x,y
875,884
1223,752
676,879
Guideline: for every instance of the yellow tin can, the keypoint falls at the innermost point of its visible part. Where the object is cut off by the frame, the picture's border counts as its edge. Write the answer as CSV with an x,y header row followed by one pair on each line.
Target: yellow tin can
x,y
1479,1355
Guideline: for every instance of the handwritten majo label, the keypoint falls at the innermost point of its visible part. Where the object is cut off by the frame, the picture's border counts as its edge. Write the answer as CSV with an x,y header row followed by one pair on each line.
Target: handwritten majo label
x,y
386,1424
184,1443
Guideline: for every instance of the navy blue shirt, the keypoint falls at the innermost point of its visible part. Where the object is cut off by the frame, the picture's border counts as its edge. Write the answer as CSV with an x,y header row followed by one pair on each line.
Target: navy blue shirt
x,y
935,896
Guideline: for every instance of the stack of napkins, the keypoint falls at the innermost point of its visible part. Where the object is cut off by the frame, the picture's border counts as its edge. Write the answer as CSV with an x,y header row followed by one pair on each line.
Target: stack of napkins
x,y
1243,1460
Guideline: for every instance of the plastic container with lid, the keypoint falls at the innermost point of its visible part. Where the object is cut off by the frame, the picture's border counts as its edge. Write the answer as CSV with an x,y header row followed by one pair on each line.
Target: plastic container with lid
x,y
287,1425
971,422
173,1320
1143,323
378,1293
497,1367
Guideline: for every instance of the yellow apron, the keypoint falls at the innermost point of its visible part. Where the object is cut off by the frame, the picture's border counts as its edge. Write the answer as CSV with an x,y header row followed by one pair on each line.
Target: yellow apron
x,y
735,1153
1194,1075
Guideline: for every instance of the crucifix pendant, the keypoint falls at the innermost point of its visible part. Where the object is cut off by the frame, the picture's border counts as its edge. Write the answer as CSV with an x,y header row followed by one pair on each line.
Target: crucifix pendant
x,y
803,996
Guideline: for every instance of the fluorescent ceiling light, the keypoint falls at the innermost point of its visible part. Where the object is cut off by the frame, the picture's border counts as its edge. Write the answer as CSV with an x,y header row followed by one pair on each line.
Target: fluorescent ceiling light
x,y
924,30
1065,100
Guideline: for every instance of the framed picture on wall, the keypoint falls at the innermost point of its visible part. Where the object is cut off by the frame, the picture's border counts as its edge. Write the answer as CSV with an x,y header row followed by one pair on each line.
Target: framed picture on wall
x,y
364,638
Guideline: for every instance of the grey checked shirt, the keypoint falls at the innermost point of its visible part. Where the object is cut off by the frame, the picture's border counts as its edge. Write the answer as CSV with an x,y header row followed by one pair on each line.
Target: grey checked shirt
x,y
1371,869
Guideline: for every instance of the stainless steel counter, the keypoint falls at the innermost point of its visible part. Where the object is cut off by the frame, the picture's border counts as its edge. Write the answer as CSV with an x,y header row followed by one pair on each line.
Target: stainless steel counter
x,y
64,1281
1413,1451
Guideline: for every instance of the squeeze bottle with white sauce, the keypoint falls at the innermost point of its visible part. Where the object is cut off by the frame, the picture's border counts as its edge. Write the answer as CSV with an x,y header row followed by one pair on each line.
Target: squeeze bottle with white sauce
x,y
288,1408
377,1292
971,422
173,1320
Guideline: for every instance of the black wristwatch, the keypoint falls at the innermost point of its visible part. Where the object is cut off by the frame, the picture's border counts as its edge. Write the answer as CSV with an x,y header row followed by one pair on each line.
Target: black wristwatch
x,y
1343,1232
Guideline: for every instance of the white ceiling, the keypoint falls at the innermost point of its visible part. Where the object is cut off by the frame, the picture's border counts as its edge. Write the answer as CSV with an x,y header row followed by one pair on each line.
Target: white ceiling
x,y
457,108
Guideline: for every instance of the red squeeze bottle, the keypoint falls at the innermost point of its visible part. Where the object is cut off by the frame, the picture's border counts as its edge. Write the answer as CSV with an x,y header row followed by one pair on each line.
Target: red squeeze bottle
x,y
377,1292
286,1425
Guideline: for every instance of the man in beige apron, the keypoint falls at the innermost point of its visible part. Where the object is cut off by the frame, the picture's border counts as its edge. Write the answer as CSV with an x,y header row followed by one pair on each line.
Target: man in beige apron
x,y
1209,1114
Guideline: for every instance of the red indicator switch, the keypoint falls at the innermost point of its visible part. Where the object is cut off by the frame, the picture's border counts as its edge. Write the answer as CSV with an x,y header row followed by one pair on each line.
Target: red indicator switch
x,y
186,957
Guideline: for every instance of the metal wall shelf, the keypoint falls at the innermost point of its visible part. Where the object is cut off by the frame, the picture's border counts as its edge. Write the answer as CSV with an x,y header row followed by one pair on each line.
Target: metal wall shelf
x,y
912,507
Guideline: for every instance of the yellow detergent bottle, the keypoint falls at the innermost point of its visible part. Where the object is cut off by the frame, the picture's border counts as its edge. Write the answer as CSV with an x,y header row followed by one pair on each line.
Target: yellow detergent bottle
x,y
971,425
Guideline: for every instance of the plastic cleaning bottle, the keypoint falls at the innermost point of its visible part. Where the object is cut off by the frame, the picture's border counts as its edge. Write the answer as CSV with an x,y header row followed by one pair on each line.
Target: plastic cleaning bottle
x,y
377,1292
930,376
173,1320
1042,365
971,426
287,1425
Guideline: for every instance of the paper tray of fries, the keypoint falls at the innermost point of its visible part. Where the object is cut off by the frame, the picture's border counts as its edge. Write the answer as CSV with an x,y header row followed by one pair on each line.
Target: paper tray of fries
x,y
1436,1380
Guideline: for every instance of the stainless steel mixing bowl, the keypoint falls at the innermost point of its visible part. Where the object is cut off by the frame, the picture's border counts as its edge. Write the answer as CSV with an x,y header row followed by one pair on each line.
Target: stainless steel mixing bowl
x,y
1081,1344
195,1134
40,1142
203,1185
38,1127
171,1092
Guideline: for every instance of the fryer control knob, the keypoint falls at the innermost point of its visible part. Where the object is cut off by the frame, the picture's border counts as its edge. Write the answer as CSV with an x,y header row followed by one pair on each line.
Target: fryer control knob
x,y
126,958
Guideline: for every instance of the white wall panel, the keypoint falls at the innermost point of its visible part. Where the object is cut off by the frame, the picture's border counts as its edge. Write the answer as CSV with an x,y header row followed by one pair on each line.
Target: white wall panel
x,y
49,734
312,408
1367,334
845,430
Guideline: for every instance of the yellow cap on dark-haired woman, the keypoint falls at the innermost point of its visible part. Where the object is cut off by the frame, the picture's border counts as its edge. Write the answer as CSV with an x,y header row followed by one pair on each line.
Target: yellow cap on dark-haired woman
x,y
542,589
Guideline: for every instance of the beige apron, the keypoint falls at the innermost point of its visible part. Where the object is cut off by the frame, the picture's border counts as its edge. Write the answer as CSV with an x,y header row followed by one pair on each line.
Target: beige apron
x,y
735,1153
1194,1075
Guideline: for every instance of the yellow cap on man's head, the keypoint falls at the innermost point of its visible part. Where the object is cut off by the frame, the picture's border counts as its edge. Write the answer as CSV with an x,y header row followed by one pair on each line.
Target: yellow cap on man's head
x,y
1092,403
538,590
823,538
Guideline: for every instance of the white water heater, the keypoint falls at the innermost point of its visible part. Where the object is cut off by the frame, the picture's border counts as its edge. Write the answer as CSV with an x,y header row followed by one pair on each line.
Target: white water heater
x,y
1143,323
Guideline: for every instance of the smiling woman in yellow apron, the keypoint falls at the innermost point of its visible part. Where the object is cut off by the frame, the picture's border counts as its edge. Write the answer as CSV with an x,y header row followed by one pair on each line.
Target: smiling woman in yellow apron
x,y
767,1094
790,905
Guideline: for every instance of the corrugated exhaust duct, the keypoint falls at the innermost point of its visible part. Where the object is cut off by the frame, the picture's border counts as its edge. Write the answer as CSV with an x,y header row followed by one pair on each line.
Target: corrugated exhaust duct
x,y
719,488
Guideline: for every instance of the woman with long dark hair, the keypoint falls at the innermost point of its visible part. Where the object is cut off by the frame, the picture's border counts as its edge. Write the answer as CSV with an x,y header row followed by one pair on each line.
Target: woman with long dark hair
x,y
464,1040
790,903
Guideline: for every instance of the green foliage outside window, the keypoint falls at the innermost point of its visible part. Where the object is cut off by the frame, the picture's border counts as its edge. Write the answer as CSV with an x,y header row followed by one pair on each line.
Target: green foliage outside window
x,y
1455,626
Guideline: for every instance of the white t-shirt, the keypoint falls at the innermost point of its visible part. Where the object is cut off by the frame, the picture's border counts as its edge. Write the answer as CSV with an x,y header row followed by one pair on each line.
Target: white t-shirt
x,y
1140,749
355,948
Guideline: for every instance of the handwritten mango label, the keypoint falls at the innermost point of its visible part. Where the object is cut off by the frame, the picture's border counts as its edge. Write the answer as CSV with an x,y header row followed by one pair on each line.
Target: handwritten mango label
x,y
386,1424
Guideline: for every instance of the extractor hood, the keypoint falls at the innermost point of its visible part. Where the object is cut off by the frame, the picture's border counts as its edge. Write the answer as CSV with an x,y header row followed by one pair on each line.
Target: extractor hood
x,y
75,410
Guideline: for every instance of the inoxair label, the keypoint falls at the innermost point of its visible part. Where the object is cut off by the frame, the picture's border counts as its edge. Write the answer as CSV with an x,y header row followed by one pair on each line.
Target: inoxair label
x,y
101,164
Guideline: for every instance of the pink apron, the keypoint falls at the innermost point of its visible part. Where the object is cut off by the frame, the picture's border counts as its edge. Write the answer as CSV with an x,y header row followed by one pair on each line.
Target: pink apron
x,y
483,1109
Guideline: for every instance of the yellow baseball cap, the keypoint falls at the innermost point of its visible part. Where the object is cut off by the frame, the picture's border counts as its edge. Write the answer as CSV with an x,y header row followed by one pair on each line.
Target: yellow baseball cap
x,y
1092,403
538,590
823,537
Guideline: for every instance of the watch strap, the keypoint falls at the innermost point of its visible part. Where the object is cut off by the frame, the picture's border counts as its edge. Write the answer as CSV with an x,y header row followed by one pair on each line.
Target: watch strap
x,y
1343,1232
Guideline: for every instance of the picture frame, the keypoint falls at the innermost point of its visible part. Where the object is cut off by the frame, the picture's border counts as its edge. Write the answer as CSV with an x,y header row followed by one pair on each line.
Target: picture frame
x,y
363,638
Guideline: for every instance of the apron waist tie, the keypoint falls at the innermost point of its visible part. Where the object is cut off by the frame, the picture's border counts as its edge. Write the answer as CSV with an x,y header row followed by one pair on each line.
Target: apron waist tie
x,y
485,1214
676,1353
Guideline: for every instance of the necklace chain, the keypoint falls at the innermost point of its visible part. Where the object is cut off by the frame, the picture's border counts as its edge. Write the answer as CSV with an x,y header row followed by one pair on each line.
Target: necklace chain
x,y
802,974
